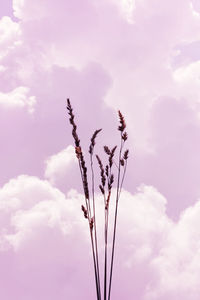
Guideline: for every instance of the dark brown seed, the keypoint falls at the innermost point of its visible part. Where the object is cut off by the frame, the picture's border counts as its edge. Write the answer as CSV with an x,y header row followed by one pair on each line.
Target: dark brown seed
x,y
122,162
102,189
124,136
122,122
107,150
126,154
91,148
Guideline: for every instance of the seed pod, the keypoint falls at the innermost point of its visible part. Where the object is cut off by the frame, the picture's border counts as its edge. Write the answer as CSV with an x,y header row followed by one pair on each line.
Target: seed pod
x,y
107,150
91,223
122,162
102,189
126,154
124,136
122,122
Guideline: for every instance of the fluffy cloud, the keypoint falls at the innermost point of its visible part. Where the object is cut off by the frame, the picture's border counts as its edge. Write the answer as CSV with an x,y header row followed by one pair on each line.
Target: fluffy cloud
x,y
58,165
177,266
18,98
104,55
86,31
9,35
39,225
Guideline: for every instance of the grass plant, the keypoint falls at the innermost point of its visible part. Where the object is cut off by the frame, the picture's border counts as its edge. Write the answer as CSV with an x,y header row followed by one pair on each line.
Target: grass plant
x,y
107,180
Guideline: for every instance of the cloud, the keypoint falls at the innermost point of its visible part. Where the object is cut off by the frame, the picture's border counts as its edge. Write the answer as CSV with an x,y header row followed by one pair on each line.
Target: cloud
x,y
187,78
18,98
132,73
156,258
102,61
58,165
9,35
39,225
177,265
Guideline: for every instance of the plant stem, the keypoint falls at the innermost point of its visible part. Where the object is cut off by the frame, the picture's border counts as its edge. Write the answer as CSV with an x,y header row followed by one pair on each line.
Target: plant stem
x,y
105,257
95,231
95,268
115,222
91,236
123,178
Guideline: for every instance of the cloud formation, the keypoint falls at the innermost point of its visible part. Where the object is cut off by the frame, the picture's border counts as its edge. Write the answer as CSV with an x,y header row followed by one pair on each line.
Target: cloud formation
x,y
156,257
18,98
141,57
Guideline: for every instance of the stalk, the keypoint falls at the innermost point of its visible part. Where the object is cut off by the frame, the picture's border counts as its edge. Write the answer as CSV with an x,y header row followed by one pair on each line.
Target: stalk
x,y
115,222
89,209
91,237
106,251
95,231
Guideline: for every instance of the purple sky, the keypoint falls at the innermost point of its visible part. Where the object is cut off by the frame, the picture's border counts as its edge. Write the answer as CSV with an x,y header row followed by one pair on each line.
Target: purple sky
x,y
139,56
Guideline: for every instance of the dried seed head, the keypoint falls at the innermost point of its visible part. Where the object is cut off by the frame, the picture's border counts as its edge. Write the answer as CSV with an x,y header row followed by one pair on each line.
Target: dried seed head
x,y
107,150
111,179
71,120
84,211
78,152
126,154
122,122
107,170
91,148
113,151
122,162
103,178
102,189
111,156
110,182
124,136
107,201
91,223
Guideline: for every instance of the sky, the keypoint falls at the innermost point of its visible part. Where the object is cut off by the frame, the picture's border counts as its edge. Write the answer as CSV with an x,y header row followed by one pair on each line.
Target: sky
x,y
141,57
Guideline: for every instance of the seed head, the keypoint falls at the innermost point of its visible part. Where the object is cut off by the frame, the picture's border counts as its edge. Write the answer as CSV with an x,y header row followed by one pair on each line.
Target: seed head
x,y
74,127
126,154
84,211
110,182
107,170
107,150
124,136
111,156
91,223
122,162
102,189
78,152
122,122
103,178
91,148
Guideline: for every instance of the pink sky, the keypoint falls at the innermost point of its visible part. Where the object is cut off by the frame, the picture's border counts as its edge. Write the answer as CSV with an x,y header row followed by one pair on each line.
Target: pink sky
x,y
139,56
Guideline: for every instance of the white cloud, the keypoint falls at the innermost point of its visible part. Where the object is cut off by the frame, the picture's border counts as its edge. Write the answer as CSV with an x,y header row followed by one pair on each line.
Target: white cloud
x,y
10,34
18,98
177,266
126,8
58,164
28,10
34,214
27,204
187,79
